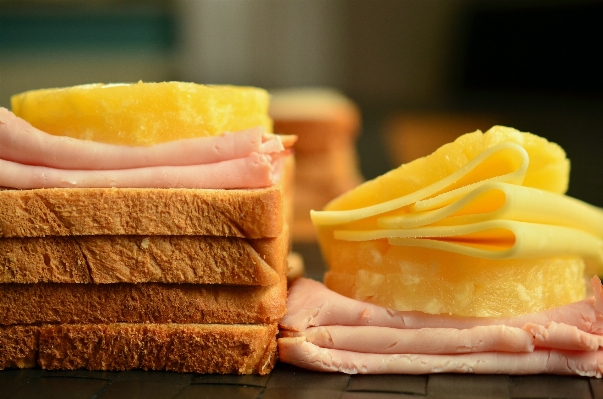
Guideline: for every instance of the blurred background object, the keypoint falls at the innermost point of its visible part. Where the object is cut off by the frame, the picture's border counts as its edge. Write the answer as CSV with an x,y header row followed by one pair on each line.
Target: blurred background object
x,y
62,43
412,135
327,124
531,63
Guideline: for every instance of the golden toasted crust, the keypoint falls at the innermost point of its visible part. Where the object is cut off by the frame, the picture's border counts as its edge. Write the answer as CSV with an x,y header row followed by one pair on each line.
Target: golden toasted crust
x,y
19,346
200,348
141,259
141,303
250,213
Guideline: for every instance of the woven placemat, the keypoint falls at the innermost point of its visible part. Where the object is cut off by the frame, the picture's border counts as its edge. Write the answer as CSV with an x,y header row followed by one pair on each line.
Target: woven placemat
x,y
287,382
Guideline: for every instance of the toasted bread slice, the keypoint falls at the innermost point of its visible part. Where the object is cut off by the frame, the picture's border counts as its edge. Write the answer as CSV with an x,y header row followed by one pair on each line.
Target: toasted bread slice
x,y
141,303
248,213
199,348
143,259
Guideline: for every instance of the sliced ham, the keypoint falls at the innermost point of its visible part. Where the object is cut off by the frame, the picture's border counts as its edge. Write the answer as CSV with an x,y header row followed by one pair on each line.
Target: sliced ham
x,y
302,353
562,336
325,331
493,338
31,158
310,303
253,171
388,340
22,143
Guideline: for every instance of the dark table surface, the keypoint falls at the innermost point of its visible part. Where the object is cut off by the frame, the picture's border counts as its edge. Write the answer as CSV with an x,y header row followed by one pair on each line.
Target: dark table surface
x,y
287,381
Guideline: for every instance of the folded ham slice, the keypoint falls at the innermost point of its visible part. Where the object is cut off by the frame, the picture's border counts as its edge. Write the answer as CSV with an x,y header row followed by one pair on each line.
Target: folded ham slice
x,y
255,170
31,158
310,303
304,354
329,332
425,340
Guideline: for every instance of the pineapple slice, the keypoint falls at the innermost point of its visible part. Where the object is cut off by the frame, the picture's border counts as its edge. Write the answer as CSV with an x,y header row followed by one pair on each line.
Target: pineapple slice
x,y
143,113
436,281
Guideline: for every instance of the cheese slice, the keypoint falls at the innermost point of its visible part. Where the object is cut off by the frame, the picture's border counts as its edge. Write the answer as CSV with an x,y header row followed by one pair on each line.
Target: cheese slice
x,y
494,239
480,210
492,201
505,162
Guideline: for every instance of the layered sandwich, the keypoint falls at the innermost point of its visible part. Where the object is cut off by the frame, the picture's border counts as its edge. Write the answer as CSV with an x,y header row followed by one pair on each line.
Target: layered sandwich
x,y
469,260
142,226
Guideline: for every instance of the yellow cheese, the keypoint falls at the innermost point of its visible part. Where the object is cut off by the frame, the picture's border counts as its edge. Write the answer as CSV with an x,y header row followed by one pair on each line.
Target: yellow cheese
x,y
493,239
505,162
493,201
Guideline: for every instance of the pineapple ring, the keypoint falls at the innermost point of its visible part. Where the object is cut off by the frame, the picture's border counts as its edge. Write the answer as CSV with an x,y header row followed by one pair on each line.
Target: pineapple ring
x,y
143,113
436,282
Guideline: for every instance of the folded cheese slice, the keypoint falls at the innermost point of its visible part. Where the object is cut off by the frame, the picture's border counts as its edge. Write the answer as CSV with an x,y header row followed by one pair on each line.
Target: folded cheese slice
x,y
491,201
504,162
493,239
483,208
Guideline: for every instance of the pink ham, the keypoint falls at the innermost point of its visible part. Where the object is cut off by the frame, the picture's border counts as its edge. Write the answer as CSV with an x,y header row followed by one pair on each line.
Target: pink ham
x,y
310,303
562,336
492,338
31,158
325,331
22,143
425,340
256,170
302,353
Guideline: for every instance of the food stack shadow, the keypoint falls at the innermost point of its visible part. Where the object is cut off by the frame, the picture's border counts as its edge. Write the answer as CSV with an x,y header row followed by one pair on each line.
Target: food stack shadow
x,y
188,280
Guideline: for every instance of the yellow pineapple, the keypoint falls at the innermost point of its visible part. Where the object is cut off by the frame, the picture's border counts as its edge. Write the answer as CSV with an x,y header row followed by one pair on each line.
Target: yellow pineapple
x,y
143,113
436,281
414,278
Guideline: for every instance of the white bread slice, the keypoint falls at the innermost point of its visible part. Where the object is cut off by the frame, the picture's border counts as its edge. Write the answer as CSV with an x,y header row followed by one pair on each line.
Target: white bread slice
x,y
249,213
141,303
199,348
142,259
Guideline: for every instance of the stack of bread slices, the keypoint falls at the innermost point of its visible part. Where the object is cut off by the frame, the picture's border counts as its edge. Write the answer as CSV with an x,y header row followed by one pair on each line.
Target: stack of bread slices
x,y
327,124
190,280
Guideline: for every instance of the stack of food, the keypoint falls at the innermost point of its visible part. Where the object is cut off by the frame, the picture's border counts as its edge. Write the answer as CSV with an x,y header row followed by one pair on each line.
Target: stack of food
x,y
327,124
469,260
136,232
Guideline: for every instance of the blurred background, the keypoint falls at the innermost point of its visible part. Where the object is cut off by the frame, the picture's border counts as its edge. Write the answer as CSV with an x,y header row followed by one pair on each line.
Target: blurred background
x,y
420,71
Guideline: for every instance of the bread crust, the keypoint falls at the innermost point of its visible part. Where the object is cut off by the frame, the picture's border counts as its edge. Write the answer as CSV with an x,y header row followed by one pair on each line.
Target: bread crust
x,y
143,259
199,348
248,213
56,303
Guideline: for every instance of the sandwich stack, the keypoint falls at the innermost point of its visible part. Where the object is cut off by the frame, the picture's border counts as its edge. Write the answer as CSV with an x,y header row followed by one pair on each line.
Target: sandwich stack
x,y
327,124
118,278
